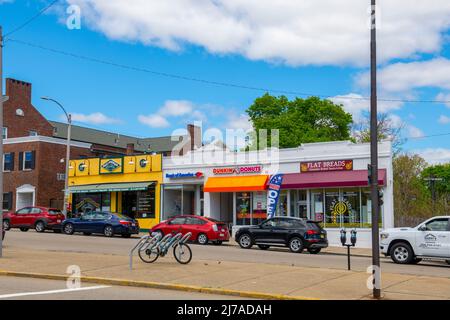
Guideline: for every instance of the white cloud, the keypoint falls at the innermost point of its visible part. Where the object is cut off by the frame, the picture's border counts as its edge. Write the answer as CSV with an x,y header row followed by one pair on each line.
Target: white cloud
x,y
154,121
434,155
444,119
444,97
93,118
404,77
241,121
176,108
354,104
414,132
326,32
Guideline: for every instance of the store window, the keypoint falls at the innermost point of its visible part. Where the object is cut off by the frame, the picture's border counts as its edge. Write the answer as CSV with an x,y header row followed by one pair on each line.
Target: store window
x,y
86,202
317,205
351,201
259,213
146,204
282,204
243,214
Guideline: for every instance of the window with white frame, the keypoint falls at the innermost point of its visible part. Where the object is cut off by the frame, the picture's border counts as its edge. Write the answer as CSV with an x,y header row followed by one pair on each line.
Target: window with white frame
x,y
5,133
8,161
28,160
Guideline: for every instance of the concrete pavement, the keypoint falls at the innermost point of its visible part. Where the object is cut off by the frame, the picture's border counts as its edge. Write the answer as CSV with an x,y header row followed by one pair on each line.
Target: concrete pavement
x,y
291,281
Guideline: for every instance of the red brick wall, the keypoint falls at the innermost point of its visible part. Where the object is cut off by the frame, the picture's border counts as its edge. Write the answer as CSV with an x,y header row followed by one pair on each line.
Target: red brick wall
x,y
19,93
44,176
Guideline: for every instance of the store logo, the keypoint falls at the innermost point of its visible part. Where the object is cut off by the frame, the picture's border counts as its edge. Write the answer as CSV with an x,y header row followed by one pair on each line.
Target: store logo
x,y
143,163
110,165
237,170
81,167
339,208
331,165
184,175
430,238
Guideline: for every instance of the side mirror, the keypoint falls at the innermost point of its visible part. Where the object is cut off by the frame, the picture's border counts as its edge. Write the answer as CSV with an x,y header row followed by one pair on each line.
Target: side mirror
x,y
423,228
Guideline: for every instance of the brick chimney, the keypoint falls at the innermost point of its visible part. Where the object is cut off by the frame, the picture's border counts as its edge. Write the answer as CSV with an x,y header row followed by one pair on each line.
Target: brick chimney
x,y
195,134
17,88
130,149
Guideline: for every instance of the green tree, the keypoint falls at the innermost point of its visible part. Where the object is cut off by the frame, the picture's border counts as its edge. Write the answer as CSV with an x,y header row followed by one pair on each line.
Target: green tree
x,y
411,197
300,120
439,189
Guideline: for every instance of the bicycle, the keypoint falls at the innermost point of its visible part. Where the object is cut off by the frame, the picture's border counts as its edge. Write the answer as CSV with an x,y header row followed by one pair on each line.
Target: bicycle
x,y
155,247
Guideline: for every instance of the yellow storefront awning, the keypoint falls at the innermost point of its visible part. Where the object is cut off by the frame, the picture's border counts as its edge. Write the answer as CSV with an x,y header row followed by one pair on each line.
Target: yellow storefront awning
x,y
233,184
111,187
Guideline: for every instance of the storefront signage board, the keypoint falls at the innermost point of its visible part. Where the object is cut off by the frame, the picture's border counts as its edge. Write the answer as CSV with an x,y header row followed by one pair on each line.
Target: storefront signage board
x,y
184,175
329,165
237,170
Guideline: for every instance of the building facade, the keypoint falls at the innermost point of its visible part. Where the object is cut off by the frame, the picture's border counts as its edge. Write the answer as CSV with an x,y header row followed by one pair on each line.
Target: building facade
x,y
326,182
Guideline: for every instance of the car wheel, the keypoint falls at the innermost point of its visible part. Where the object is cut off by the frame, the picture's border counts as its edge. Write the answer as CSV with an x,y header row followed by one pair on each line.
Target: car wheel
x,y
87,233
296,245
217,243
245,241
314,250
24,229
263,246
202,239
68,229
402,253
39,227
6,225
108,231
126,235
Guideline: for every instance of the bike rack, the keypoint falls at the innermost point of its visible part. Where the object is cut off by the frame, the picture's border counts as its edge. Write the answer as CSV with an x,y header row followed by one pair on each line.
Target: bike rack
x,y
150,242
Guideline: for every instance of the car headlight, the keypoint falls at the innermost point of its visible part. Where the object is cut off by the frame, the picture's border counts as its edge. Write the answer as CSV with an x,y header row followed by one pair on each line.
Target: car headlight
x,y
384,235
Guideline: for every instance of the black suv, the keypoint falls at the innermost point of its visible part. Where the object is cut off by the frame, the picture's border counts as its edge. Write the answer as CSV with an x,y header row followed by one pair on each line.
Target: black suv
x,y
295,233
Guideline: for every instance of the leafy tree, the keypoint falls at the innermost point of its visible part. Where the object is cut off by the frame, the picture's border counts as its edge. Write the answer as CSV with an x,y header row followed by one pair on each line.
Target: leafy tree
x,y
300,120
411,197
441,171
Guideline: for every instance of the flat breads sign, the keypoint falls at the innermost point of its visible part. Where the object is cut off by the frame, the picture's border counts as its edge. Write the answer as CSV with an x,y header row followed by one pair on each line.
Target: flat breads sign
x,y
329,165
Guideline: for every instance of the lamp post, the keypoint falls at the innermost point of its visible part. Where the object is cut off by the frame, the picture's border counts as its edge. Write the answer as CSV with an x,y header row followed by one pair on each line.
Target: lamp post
x,y
66,178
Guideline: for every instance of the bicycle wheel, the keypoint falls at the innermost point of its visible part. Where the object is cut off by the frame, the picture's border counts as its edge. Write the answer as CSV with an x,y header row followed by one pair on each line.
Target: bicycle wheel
x,y
182,253
149,255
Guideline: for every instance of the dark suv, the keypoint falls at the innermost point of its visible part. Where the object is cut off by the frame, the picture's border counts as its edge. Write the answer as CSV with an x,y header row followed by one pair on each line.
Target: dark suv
x,y
295,233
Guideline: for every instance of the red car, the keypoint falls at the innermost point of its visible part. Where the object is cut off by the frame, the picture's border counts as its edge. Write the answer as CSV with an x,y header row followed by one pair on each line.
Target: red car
x,y
39,218
203,229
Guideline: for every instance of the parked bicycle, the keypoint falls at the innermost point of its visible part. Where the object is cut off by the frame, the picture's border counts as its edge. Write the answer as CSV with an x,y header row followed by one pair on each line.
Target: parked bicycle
x,y
155,247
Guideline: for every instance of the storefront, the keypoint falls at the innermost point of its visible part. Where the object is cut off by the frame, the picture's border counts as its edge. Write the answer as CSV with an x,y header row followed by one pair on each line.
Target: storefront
x,y
129,185
325,182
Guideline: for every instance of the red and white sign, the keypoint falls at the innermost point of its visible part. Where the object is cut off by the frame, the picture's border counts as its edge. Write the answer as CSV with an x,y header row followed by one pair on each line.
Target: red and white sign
x,y
330,165
237,170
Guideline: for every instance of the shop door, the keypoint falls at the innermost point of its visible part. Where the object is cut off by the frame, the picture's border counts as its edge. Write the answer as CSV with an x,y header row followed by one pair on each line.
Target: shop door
x,y
129,203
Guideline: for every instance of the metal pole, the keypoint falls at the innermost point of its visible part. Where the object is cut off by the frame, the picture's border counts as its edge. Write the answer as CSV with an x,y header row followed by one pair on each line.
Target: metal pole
x,y
1,142
348,258
374,156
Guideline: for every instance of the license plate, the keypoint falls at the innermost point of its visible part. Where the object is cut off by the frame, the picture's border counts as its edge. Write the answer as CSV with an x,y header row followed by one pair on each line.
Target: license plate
x,y
59,221
221,234
133,224
322,236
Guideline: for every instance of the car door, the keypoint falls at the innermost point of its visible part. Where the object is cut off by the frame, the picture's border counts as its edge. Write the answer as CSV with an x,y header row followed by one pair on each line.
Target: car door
x,y
20,217
98,222
281,230
33,214
264,233
433,238
192,225
84,224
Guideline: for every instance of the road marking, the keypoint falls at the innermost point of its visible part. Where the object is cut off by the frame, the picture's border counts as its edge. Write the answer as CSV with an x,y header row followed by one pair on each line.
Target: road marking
x,y
14,295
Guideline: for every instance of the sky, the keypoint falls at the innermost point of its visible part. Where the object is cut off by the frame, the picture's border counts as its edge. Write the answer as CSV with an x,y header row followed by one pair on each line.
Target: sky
x,y
149,67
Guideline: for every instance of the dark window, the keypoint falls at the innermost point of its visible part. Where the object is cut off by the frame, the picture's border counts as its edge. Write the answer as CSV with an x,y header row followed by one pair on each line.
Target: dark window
x,y
27,160
54,211
178,221
438,225
7,201
35,211
8,163
194,221
23,211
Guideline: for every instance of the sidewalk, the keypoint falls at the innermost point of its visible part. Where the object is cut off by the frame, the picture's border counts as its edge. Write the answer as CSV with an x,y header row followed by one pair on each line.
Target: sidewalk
x,y
225,277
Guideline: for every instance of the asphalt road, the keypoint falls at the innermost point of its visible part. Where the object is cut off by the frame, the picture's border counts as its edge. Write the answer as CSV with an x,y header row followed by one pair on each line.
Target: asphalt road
x,y
117,245
12,288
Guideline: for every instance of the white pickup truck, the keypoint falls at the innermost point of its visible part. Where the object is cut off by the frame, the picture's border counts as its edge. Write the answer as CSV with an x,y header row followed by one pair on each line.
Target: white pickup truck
x,y
429,240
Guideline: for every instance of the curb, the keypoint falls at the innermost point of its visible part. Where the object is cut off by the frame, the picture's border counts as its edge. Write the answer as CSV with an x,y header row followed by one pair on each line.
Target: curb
x,y
158,285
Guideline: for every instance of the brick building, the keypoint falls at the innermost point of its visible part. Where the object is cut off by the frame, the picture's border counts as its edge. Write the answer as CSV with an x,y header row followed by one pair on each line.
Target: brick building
x,y
34,150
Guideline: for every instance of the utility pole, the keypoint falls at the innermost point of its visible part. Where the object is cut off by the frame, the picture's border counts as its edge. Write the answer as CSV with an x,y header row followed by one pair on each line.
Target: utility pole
x,y
1,142
376,271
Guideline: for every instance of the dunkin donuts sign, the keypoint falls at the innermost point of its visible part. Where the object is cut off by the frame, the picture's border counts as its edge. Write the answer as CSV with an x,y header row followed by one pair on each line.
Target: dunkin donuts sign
x,y
330,165
237,170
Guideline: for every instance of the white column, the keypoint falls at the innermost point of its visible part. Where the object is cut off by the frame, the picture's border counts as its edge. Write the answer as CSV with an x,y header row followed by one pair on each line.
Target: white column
x,y
289,203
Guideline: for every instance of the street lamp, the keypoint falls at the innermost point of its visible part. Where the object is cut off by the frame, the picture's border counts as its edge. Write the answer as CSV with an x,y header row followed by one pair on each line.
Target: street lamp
x,y
66,180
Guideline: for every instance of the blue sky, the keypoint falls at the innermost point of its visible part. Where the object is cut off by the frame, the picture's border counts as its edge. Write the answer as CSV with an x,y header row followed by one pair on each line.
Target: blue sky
x,y
318,47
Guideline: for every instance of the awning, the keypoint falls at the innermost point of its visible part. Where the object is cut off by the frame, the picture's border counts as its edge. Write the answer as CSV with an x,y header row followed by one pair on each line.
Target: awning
x,y
110,187
355,178
233,184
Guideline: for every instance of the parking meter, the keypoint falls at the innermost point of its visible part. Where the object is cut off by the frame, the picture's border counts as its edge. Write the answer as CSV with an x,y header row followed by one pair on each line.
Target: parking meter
x,y
343,237
353,237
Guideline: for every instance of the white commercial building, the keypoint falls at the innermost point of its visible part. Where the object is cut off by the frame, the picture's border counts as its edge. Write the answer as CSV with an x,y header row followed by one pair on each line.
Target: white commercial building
x,y
326,182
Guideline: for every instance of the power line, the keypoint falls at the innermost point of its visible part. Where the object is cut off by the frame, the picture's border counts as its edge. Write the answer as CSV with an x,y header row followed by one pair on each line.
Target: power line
x,y
430,136
211,82
37,15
